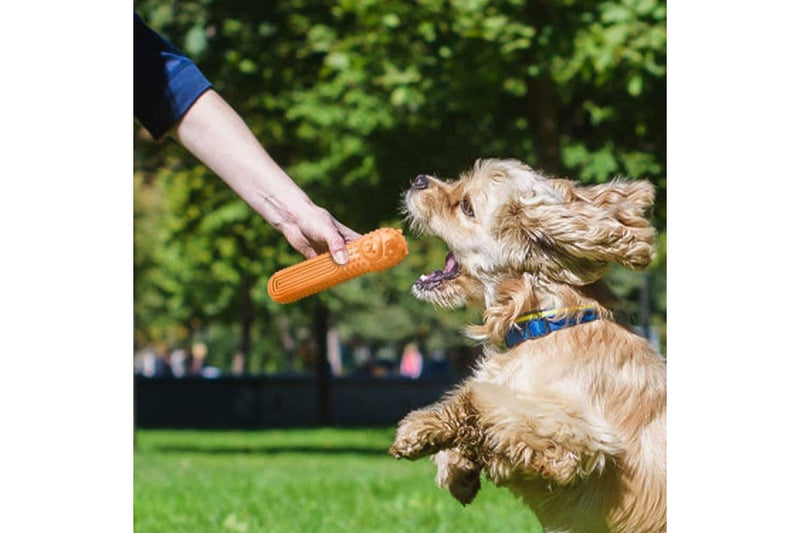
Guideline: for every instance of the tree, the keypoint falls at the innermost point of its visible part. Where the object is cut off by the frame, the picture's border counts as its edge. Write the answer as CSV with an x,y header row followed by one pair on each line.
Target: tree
x,y
354,98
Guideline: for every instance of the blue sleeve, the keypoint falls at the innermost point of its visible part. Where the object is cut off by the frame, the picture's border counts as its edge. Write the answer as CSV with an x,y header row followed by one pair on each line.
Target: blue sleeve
x,y
165,82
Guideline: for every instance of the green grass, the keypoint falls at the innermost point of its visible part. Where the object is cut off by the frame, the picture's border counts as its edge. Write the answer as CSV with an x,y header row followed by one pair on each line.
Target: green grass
x,y
315,480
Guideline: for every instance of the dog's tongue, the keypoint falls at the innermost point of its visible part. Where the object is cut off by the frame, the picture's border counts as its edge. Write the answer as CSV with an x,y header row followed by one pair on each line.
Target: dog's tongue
x,y
450,264
435,278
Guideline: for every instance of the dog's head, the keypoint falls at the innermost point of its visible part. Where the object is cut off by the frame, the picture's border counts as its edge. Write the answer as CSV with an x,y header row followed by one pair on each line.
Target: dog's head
x,y
502,220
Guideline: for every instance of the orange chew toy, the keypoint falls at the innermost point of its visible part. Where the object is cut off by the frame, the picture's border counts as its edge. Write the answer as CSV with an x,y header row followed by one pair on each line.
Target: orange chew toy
x,y
374,251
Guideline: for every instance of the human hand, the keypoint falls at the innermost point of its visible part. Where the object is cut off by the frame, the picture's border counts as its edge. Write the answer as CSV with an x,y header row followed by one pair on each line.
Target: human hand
x,y
312,230
218,136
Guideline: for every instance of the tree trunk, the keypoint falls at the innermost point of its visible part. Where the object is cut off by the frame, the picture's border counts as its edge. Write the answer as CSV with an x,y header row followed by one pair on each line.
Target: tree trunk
x,y
542,99
323,372
246,319
543,124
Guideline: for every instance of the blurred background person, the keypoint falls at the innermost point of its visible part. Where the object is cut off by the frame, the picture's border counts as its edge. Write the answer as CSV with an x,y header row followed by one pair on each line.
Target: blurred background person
x,y
177,362
199,352
237,364
411,362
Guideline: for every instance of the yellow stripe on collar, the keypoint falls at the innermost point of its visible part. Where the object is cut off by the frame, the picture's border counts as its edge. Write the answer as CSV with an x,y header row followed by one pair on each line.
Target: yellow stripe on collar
x,y
553,312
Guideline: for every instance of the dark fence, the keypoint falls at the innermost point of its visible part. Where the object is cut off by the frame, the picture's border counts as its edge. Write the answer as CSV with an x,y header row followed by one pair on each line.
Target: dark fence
x,y
265,402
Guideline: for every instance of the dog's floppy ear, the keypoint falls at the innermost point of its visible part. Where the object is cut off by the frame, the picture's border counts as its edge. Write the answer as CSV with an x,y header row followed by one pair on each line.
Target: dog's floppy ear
x,y
628,200
601,223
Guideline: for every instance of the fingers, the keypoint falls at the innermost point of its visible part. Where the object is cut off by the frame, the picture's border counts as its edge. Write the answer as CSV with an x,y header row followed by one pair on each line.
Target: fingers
x,y
338,251
337,241
337,238
299,242
320,233
348,234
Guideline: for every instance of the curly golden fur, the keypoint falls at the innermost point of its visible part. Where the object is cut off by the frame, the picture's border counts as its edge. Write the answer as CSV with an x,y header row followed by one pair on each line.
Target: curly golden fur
x,y
573,422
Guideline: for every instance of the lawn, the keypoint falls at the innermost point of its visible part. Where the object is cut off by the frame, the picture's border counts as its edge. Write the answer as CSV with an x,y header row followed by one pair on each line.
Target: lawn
x,y
315,480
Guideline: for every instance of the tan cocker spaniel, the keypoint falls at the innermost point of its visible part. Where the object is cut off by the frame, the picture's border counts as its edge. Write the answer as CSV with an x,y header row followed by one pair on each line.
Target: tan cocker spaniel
x,y
566,408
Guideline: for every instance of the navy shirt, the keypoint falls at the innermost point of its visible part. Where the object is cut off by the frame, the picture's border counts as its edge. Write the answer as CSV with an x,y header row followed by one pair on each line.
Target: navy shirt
x,y
165,82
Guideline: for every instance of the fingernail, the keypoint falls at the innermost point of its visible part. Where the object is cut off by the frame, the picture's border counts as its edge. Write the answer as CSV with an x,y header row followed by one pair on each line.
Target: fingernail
x,y
340,257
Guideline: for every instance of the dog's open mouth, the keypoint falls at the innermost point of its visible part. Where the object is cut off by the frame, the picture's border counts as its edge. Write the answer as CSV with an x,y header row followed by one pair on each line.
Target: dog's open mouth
x,y
437,277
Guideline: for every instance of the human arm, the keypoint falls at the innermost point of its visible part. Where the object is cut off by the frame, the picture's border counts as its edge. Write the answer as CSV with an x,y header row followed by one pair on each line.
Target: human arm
x,y
214,133
172,95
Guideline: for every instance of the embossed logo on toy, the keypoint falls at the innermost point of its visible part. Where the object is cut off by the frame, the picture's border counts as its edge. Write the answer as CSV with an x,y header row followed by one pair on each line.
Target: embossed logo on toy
x,y
372,248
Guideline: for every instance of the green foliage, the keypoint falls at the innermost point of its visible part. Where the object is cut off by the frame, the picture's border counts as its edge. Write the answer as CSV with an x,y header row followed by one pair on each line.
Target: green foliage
x,y
354,98
331,480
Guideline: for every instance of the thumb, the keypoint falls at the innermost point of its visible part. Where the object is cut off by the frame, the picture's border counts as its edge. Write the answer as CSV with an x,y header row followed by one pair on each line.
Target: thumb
x,y
338,245
338,249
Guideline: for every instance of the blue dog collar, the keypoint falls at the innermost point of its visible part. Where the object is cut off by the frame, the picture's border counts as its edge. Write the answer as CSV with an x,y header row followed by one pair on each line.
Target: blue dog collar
x,y
540,323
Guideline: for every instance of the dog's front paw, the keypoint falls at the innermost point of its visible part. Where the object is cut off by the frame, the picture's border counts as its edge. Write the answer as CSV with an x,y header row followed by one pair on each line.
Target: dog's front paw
x,y
418,434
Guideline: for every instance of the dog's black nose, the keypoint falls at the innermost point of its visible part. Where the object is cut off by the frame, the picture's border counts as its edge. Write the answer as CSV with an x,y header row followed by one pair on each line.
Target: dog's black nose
x,y
420,182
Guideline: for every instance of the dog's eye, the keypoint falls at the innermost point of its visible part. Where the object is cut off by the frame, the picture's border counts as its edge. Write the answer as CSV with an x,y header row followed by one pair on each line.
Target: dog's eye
x,y
466,207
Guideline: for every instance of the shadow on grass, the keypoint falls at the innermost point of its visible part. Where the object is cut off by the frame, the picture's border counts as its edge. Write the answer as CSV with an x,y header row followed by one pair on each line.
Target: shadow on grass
x,y
274,450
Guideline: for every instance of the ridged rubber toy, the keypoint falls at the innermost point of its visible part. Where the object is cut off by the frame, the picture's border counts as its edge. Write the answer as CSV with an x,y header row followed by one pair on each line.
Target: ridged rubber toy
x,y
373,251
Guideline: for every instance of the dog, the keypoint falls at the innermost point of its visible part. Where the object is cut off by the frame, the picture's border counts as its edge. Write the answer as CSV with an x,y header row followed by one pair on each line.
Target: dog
x,y
566,408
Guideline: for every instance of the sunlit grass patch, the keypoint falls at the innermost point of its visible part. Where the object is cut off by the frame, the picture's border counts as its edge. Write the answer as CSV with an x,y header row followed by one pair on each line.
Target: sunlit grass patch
x,y
301,480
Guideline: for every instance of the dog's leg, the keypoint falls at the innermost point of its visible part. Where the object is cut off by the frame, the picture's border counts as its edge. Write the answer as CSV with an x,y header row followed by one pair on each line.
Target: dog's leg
x,y
459,475
436,427
543,435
